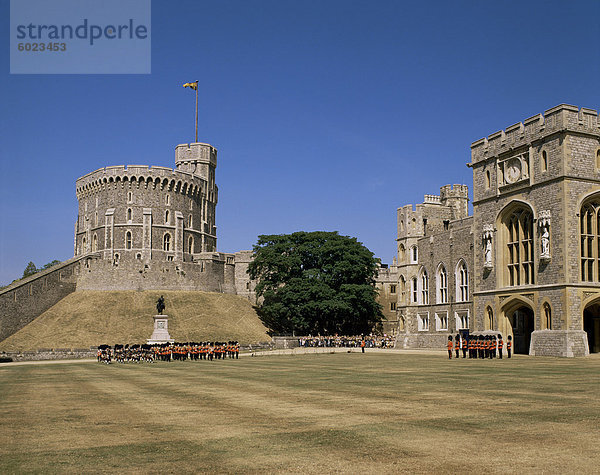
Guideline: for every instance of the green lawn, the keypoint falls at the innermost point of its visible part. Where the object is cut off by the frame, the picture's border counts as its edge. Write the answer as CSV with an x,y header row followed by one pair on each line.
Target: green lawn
x,y
305,413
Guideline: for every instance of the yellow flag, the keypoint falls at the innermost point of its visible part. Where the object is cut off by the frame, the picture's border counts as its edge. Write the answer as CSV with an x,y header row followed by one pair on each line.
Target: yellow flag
x,y
193,85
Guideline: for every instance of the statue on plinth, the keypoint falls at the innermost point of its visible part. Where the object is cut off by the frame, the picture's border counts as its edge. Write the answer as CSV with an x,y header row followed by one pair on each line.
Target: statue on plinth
x,y
160,305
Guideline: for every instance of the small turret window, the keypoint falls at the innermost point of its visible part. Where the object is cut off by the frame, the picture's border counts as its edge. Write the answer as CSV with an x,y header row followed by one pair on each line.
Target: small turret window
x,y
544,161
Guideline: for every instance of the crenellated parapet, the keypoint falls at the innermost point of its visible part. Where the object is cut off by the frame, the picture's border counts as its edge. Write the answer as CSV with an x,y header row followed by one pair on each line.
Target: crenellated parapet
x,y
563,117
162,178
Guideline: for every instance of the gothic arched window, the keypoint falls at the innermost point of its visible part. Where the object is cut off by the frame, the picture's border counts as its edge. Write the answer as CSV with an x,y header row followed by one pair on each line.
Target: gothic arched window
x,y
489,324
442,285
402,289
547,316
589,222
423,287
519,243
414,254
128,240
167,242
462,282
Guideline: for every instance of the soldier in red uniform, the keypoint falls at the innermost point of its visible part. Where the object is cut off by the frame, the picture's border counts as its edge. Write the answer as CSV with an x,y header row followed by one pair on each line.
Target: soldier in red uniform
x,y
450,347
509,346
457,346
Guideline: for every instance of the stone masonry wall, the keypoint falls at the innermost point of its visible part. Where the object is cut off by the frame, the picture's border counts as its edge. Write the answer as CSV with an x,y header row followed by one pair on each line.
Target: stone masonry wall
x,y
25,300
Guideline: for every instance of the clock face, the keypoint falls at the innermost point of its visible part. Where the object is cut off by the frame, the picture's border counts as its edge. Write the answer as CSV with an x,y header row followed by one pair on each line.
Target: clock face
x,y
513,170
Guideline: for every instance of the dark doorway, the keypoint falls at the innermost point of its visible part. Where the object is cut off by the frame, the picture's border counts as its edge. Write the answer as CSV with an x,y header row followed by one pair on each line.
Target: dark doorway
x,y
591,325
522,324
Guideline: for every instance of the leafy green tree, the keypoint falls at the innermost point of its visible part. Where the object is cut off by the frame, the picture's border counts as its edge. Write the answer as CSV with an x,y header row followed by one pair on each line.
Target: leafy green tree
x,y
50,264
30,269
315,282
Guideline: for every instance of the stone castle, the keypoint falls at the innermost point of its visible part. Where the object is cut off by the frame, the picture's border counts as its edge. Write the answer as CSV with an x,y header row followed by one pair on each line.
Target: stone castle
x,y
138,228
526,263
154,228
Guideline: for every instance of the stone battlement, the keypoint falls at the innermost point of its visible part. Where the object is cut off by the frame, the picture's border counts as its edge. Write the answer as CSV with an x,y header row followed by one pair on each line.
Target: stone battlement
x,y
454,191
164,177
431,199
559,118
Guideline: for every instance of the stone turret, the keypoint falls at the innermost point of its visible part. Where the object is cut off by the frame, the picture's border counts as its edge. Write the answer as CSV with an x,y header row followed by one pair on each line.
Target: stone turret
x,y
456,197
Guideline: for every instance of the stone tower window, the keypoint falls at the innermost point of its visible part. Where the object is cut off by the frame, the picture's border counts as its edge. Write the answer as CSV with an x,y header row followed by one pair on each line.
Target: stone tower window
x,y
401,252
544,161
96,218
190,221
589,220
402,289
167,242
598,158
167,200
414,255
547,316
414,290
167,217
129,197
462,281
519,226
489,323
488,180
129,215
191,245
128,240
423,287
95,243
393,289
442,285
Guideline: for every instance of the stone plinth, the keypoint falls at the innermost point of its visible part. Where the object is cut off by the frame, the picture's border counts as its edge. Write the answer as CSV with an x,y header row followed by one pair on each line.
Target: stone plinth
x,y
567,343
161,330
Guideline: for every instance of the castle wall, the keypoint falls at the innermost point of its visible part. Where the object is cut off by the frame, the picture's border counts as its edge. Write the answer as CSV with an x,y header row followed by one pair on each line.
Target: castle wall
x,y
23,301
210,273
387,287
446,249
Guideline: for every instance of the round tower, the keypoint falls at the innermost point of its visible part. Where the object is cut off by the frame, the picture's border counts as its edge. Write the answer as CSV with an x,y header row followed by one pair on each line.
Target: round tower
x,y
148,213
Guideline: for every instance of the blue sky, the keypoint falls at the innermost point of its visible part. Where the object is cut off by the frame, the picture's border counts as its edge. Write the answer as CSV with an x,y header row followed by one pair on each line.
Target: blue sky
x,y
327,115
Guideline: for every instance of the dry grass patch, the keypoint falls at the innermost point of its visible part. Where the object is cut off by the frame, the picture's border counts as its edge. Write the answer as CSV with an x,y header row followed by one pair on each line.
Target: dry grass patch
x,y
306,414
91,318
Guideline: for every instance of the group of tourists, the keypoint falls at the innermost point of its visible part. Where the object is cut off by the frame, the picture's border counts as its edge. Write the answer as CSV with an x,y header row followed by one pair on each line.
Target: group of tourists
x,y
479,346
359,341
168,352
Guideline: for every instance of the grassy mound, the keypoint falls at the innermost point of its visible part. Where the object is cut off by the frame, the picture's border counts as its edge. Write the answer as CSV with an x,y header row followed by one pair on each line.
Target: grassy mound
x,y
90,318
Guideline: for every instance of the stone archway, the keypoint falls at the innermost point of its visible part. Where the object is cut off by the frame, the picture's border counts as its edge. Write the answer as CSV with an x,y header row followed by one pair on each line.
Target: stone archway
x,y
519,322
523,326
591,325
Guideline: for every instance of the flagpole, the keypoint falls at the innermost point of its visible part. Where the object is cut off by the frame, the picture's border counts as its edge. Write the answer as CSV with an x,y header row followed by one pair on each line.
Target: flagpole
x,y
196,111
